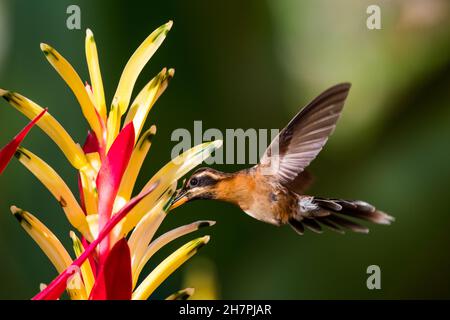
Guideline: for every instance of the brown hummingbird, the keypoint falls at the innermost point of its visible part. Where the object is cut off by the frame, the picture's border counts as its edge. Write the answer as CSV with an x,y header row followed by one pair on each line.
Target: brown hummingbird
x,y
275,193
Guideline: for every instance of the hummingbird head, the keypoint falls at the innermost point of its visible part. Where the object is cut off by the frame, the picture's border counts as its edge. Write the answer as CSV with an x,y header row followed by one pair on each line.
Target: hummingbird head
x,y
201,185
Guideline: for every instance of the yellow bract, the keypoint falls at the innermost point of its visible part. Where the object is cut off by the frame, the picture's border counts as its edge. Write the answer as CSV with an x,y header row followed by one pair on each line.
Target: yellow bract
x,y
56,185
167,267
165,239
145,100
112,125
135,65
86,270
89,193
128,78
50,126
95,74
52,248
143,233
73,80
45,239
134,166
169,174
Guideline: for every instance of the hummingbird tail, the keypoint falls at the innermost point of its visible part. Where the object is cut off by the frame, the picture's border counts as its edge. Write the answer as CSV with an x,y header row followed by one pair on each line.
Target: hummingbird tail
x,y
338,215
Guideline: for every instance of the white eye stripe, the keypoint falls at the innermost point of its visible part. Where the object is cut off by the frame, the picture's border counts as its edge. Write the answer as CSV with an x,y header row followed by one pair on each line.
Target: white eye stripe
x,y
203,175
203,179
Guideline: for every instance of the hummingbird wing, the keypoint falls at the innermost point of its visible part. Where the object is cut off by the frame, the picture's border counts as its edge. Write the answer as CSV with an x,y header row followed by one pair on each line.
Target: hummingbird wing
x,y
304,137
302,182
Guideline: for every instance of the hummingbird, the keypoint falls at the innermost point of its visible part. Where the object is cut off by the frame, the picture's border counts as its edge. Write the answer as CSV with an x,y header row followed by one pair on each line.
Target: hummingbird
x,y
273,191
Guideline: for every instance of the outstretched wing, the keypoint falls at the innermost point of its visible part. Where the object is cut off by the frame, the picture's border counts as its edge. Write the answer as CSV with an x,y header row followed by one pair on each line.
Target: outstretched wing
x,y
304,137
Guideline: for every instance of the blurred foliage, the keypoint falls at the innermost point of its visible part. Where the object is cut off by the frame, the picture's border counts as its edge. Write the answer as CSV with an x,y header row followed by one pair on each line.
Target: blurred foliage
x,y
201,273
253,64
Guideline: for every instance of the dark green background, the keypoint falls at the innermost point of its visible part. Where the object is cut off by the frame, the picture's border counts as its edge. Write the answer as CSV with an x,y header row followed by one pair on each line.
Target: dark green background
x,y
253,64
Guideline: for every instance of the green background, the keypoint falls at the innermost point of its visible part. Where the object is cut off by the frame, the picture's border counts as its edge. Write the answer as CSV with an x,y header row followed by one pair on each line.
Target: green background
x,y
253,64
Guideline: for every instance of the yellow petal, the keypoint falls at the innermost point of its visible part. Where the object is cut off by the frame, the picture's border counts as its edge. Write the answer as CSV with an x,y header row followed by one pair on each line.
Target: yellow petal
x,y
50,126
73,80
144,232
89,92
75,287
95,74
90,193
134,165
186,161
112,125
58,188
135,65
146,228
135,215
86,270
167,175
52,248
182,294
167,267
92,220
164,239
165,83
45,239
145,100
95,161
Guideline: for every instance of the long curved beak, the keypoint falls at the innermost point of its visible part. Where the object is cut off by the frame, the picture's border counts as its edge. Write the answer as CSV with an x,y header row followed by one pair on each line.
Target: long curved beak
x,y
180,199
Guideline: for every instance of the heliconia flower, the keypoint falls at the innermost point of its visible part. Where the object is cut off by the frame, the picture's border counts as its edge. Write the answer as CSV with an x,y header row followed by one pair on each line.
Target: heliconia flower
x,y
113,230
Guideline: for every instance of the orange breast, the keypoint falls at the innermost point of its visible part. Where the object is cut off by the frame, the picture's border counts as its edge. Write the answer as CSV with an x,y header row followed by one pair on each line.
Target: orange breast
x,y
238,189
257,196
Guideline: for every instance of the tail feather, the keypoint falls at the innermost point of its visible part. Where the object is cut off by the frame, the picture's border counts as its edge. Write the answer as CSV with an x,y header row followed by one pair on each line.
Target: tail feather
x,y
332,225
339,215
348,224
312,225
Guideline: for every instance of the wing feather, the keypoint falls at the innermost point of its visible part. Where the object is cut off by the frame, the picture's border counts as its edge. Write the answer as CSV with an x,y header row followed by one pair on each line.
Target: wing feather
x,y
300,142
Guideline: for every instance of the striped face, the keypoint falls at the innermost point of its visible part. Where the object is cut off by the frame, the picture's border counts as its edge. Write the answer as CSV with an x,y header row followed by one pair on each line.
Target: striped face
x,y
202,182
201,185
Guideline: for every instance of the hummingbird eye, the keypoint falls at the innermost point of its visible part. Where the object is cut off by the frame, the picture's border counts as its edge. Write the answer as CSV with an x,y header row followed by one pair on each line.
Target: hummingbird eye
x,y
193,182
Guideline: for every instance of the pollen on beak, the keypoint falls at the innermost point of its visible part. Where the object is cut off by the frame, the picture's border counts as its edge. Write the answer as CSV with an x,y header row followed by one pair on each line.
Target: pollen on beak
x,y
179,200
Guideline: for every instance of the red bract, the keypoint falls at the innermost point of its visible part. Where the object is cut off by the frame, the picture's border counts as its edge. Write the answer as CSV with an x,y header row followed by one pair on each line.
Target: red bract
x,y
110,175
114,281
91,144
7,152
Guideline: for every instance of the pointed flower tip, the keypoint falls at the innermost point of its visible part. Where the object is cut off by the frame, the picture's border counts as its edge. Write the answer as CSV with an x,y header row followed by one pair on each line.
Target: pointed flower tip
x,y
217,143
169,24
3,92
190,291
8,151
44,46
171,72
152,130
205,239
15,210
49,52
18,214
204,224
89,33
